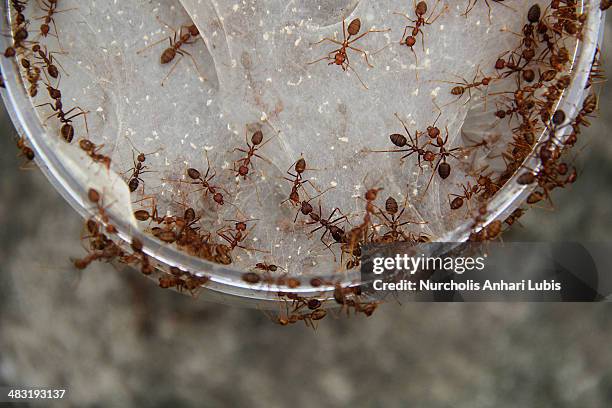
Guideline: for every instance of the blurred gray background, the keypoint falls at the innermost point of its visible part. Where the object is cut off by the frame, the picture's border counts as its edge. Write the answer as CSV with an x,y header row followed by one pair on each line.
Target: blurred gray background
x,y
114,339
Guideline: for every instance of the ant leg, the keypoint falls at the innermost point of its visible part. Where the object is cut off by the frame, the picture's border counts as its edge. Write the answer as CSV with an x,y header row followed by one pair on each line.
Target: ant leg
x,y
328,57
441,12
365,55
52,60
404,15
162,22
327,39
45,104
151,45
358,77
81,113
181,52
366,33
171,70
470,6
404,35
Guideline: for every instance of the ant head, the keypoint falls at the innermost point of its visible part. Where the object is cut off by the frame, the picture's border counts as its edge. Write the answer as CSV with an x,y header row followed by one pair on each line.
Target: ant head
x,y
86,144
433,132
193,30
429,156
218,198
372,193
29,153
339,58
243,170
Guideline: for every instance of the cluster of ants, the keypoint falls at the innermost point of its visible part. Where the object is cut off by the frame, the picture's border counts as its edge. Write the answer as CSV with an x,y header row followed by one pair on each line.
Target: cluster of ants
x,y
37,61
530,108
533,105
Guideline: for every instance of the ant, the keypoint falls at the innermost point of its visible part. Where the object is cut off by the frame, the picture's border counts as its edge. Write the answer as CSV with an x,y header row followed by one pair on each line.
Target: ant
x,y
340,55
267,267
468,192
462,87
246,162
442,167
411,147
41,53
24,149
329,225
392,218
420,9
195,174
92,151
138,169
67,130
236,235
297,180
472,3
305,206
189,36
32,75
50,7
94,196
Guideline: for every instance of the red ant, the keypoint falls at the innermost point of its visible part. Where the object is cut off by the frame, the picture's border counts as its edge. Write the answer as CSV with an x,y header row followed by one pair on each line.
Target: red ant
x,y
195,175
442,167
187,37
92,151
41,53
94,196
465,86
328,225
411,147
468,192
297,180
246,162
420,10
340,56
67,130
50,7
235,236
392,218
138,169
24,149
472,3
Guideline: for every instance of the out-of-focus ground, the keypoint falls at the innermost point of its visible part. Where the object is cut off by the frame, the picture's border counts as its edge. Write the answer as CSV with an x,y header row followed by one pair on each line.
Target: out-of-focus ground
x,y
114,339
